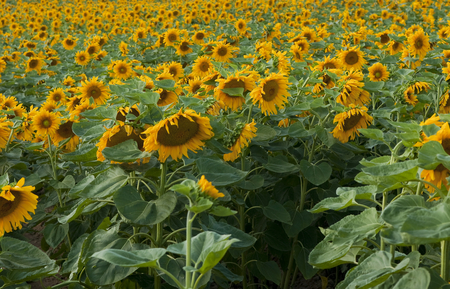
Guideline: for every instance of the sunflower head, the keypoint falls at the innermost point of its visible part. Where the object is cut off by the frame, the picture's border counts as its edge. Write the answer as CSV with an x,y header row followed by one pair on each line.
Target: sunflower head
x,y
122,70
95,89
348,123
208,189
352,58
378,72
46,122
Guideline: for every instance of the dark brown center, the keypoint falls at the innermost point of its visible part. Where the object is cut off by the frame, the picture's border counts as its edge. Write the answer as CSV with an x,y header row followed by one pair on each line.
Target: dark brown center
x,y
178,135
351,58
352,121
270,90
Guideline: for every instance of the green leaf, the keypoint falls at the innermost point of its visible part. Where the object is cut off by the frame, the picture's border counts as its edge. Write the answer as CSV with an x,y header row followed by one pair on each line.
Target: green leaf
x,y
428,155
316,174
89,130
390,59
55,233
389,176
253,183
275,211
298,130
149,98
406,126
219,172
301,255
126,152
417,279
235,91
300,221
270,270
105,184
167,84
345,200
139,212
280,164
334,249
17,254
264,133
372,133
71,264
221,211
396,213
428,225
76,210
86,152
245,240
135,258
201,206
212,255
371,272
4,180
375,86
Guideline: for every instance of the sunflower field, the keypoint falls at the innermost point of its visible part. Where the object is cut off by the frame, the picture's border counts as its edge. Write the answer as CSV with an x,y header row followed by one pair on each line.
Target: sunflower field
x,y
224,144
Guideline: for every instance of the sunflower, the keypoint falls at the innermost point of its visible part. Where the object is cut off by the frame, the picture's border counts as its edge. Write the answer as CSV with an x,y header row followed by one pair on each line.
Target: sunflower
x,y
438,177
208,189
93,48
57,95
171,37
222,52
240,140
194,85
141,33
297,53
95,89
183,48
348,123
175,69
116,135
234,81
166,97
419,44
122,70
64,132
69,81
15,204
149,85
2,65
378,72
271,91
175,135
46,123
82,58
409,96
123,47
199,37
353,94
202,67
241,26
444,103
34,63
69,43
352,58
328,63
5,131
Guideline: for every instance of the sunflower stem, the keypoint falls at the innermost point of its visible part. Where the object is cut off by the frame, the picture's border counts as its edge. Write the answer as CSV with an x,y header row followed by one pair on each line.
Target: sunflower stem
x,y
445,246
53,164
243,264
11,133
250,108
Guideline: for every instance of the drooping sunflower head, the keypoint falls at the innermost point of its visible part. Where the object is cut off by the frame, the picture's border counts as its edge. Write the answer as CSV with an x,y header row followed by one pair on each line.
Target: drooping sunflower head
x,y
239,140
184,48
328,63
378,72
208,189
175,69
444,103
116,135
167,97
352,58
95,89
93,48
348,123
178,134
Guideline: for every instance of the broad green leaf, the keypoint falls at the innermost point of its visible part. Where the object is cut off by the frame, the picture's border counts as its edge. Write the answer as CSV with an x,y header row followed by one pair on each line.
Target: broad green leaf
x,y
428,155
17,254
86,152
298,130
428,225
201,206
71,264
221,211
389,176
55,233
300,221
245,240
316,174
135,258
341,236
167,84
88,130
275,211
219,172
139,212
264,133
279,164
253,183
301,260
371,272
372,133
270,270
396,213
417,279
105,184
235,91
343,201
406,126
76,210
149,98
126,151
175,267
212,255
362,193
375,86
4,180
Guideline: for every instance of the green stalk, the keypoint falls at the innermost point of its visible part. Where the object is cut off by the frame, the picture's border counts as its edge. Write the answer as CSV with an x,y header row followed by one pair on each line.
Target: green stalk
x,y
243,261
383,244
445,246
53,164
188,248
158,239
